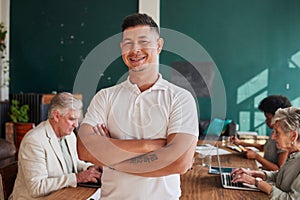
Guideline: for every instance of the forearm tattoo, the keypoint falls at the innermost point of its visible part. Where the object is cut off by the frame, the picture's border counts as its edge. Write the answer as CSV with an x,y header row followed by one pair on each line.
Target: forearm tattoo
x,y
144,159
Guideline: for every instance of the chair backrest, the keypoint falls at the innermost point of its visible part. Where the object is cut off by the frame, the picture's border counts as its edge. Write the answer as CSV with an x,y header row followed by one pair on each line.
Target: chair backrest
x,y
8,168
8,176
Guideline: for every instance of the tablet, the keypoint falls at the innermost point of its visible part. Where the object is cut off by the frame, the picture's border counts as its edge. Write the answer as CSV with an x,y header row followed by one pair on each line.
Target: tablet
x,y
216,170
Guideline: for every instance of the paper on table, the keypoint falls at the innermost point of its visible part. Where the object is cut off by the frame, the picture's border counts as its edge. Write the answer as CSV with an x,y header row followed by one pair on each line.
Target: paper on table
x,y
241,148
96,195
236,148
253,149
247,133
208,149
258,164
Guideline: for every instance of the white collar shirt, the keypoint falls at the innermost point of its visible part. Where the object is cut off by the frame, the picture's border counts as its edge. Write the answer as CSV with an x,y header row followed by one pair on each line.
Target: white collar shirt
x,y
129,113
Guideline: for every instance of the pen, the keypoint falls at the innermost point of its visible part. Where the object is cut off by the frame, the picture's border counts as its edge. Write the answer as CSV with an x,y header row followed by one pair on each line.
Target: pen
x,y
242,148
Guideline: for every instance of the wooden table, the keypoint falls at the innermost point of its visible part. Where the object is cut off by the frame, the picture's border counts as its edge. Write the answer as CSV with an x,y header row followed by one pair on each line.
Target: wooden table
x,y
196,184
79,193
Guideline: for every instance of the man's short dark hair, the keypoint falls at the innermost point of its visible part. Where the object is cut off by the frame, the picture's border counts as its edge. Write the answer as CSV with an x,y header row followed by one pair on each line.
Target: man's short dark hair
x,y
139,19
271,103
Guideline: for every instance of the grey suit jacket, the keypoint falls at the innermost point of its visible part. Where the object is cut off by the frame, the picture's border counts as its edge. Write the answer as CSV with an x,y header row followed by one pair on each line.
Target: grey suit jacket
x,y
41,165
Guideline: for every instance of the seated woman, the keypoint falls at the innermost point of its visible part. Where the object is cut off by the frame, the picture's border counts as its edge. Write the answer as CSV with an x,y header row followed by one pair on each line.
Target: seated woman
x,y
284,183
273,157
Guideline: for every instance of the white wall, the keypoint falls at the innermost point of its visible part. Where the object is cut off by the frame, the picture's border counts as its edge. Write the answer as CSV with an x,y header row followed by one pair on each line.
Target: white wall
x,y
151,8
4,17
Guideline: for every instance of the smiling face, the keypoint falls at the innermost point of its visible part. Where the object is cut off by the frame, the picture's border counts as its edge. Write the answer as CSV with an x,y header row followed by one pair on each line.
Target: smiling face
x,y
140,47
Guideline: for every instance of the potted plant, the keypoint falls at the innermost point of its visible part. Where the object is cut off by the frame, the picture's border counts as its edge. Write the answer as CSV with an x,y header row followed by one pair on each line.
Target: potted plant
x,y
20,117
3,33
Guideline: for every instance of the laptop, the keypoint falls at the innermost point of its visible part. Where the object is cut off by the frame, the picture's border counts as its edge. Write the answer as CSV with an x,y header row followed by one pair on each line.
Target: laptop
x,y
90,184
226,179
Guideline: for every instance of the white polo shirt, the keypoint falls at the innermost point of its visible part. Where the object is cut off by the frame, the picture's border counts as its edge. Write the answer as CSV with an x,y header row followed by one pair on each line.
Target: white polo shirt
x,y
129,113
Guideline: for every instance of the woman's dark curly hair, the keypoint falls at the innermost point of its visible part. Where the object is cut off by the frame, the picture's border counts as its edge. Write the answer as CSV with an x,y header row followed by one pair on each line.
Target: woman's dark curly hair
x,y
271,103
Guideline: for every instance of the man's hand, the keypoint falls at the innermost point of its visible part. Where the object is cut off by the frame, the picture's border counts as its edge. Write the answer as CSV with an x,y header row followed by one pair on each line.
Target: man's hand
x,y
96,168
92,174
101,129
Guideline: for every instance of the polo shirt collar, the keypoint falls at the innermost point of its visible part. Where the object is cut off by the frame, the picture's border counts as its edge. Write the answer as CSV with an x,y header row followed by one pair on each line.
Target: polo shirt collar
x,y
160,84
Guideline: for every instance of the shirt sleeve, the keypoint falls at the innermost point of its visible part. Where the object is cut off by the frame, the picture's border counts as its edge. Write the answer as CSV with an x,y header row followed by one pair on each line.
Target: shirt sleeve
x,y
270,175
183,117
293,194
96,112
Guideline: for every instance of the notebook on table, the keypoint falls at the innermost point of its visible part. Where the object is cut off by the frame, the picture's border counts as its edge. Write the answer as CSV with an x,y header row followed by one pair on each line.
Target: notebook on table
x,y
238,148
226,179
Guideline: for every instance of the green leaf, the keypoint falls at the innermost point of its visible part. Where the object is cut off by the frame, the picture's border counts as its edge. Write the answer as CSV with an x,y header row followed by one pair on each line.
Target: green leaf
x,y
18,113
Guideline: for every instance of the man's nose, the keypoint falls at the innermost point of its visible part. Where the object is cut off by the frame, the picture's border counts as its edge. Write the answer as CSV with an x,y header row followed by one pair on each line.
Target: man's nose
x,y
75,124
136,47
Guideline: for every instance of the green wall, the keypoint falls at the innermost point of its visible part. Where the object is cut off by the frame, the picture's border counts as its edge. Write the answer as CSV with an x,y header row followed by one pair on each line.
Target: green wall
x,y
254,44
51,39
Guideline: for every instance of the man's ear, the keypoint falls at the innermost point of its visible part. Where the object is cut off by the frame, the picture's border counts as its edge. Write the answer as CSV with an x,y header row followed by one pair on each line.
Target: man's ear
x,y
294,136
56,115
160,44
121,45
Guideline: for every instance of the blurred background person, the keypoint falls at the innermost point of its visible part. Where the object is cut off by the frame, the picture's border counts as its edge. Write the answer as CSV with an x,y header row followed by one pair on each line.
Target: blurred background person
x,y
273,157
284,183
47,159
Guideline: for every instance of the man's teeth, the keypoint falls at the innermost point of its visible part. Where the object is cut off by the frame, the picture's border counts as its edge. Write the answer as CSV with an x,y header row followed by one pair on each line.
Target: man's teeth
x,y
136,59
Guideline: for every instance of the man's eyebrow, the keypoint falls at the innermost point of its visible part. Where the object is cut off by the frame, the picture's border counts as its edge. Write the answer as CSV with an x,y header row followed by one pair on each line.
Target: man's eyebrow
x,y
140,37
126,39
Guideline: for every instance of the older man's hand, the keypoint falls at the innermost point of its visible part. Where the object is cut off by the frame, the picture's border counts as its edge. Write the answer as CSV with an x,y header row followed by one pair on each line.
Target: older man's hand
x,y
92,174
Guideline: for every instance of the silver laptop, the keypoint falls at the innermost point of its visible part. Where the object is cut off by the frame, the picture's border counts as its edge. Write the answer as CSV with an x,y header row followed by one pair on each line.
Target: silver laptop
x,y
226,179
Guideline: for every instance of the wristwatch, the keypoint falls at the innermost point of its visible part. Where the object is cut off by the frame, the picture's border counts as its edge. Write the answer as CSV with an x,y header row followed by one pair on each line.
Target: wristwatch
x,y
257,180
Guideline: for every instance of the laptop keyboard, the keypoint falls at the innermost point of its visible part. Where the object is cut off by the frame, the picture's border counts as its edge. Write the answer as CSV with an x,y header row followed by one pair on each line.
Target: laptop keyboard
x,y
228,181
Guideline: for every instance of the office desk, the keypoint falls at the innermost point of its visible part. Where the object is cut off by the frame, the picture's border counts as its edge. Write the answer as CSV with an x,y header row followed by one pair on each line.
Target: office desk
x,y
196,184
79,193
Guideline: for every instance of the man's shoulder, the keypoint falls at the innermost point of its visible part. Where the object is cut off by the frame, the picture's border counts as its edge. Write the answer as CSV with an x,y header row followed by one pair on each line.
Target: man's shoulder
x,y
36,133
111,88
175,89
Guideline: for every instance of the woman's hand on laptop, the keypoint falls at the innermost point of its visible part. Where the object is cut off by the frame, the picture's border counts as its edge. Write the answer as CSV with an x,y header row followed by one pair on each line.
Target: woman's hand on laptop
x,y
242,175
239,171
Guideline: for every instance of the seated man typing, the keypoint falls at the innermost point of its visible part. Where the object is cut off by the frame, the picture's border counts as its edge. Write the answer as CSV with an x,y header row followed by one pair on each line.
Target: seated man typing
x,y
48,159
